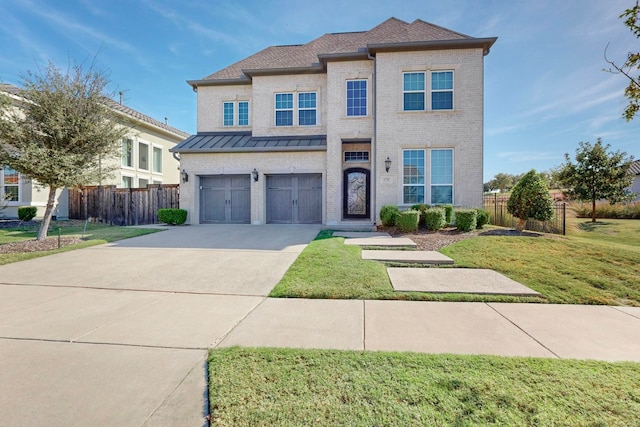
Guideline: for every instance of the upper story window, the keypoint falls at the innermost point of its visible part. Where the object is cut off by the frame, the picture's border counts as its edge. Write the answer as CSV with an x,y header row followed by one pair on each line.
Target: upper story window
x,y
442,90
157,159
356,156
307,109
143,156
9,184
284,109
306,104
243,113
229,110
227,114
356,98
127,153
413,91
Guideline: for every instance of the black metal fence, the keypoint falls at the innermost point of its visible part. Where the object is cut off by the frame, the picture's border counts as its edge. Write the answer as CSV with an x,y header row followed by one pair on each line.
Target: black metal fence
x,y
496,205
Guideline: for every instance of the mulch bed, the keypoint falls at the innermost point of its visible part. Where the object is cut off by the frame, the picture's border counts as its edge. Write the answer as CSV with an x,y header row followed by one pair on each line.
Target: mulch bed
x,y
33,245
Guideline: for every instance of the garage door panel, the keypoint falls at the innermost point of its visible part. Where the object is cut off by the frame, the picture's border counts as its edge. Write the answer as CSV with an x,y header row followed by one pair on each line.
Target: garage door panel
x,y
294,199
225,199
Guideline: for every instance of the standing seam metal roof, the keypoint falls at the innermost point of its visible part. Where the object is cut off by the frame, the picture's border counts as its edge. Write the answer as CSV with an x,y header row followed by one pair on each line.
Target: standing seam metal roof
x,y
229,142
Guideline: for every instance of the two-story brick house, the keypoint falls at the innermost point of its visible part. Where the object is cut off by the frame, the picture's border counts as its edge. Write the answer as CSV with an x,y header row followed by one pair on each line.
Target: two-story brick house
x,y
330,131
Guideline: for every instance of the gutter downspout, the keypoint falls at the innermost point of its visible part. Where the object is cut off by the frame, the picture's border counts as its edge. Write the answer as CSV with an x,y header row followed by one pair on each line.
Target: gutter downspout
x,y
374,168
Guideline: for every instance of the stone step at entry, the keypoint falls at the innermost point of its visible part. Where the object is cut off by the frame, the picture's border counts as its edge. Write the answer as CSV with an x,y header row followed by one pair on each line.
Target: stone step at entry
x,y
377,241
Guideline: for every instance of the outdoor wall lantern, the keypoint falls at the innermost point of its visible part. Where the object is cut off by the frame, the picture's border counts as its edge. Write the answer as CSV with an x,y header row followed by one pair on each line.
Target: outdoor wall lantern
x,y
184,175
254,174
387,164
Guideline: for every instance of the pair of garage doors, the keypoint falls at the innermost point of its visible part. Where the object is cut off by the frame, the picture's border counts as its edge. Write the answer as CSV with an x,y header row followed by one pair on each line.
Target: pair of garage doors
x,y
290,199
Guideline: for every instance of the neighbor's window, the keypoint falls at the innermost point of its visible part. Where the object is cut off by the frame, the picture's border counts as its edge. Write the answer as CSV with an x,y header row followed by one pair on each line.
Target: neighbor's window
x,y
441,177
157,159
227,114
413,178
243,113
356,97
284,109
143,183
442,90
127,153
143,156
10,184
414,91
127,182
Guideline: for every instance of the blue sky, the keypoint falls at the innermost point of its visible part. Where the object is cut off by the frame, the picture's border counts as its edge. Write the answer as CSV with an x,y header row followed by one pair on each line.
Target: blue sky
x,y
544,86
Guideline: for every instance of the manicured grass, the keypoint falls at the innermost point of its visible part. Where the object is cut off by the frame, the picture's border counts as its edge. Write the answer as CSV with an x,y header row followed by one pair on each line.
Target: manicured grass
x,y
286,387
95,234
327,268
594,264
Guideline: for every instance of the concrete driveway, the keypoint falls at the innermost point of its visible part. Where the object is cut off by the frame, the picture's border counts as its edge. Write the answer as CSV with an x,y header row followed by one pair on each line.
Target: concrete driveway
x,y
210,259
117,334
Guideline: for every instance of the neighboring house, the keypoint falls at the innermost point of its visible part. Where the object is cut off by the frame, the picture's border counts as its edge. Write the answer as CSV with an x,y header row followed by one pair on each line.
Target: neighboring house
x,y
145,160
635,171
330,131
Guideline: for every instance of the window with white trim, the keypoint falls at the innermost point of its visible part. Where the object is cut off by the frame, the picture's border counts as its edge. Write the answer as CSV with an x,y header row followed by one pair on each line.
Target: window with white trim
x,y
143,156
143,182
9,184
442,90
284,109
227,113
127,181
356,98
157,159
414,91
127,152
356,156
307,109
413,176
442,176
243,113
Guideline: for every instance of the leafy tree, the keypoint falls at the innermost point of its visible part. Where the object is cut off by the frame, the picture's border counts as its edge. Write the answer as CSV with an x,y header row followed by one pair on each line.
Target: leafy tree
x,y
631,66
597,174
63,134
530,199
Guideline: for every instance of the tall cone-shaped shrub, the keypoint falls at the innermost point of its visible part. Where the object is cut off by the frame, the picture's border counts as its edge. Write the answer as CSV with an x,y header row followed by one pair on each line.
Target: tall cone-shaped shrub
x,y
530,199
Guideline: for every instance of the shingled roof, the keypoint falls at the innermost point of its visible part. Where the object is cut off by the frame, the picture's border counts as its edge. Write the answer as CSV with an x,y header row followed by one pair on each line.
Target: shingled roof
x,y
392,34
14,90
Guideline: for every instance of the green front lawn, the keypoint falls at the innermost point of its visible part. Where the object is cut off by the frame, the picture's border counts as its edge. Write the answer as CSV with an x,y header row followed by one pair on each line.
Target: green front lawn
x,y
595,264
95,234
250,387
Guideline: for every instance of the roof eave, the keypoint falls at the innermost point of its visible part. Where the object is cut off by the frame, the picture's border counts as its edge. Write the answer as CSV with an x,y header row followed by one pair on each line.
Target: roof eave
x,y
484,43
219,82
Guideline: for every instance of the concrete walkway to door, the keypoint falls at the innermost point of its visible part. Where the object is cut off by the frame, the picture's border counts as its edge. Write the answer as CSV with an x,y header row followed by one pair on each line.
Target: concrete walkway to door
x,y
117,334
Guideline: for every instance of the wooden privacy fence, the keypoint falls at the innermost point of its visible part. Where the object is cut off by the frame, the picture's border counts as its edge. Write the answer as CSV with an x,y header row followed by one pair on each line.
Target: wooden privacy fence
x,y
122,206
497,208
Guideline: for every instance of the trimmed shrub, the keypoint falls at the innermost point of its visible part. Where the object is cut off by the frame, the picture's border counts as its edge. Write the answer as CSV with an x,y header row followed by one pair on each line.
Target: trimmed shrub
x,y
172,216
466,219
388,215
27,213
448,213
482,218
408,221
421,207
434,218
530,199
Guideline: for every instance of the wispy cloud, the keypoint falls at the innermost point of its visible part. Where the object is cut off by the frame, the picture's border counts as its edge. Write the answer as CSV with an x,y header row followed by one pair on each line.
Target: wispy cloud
x,y
527,156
